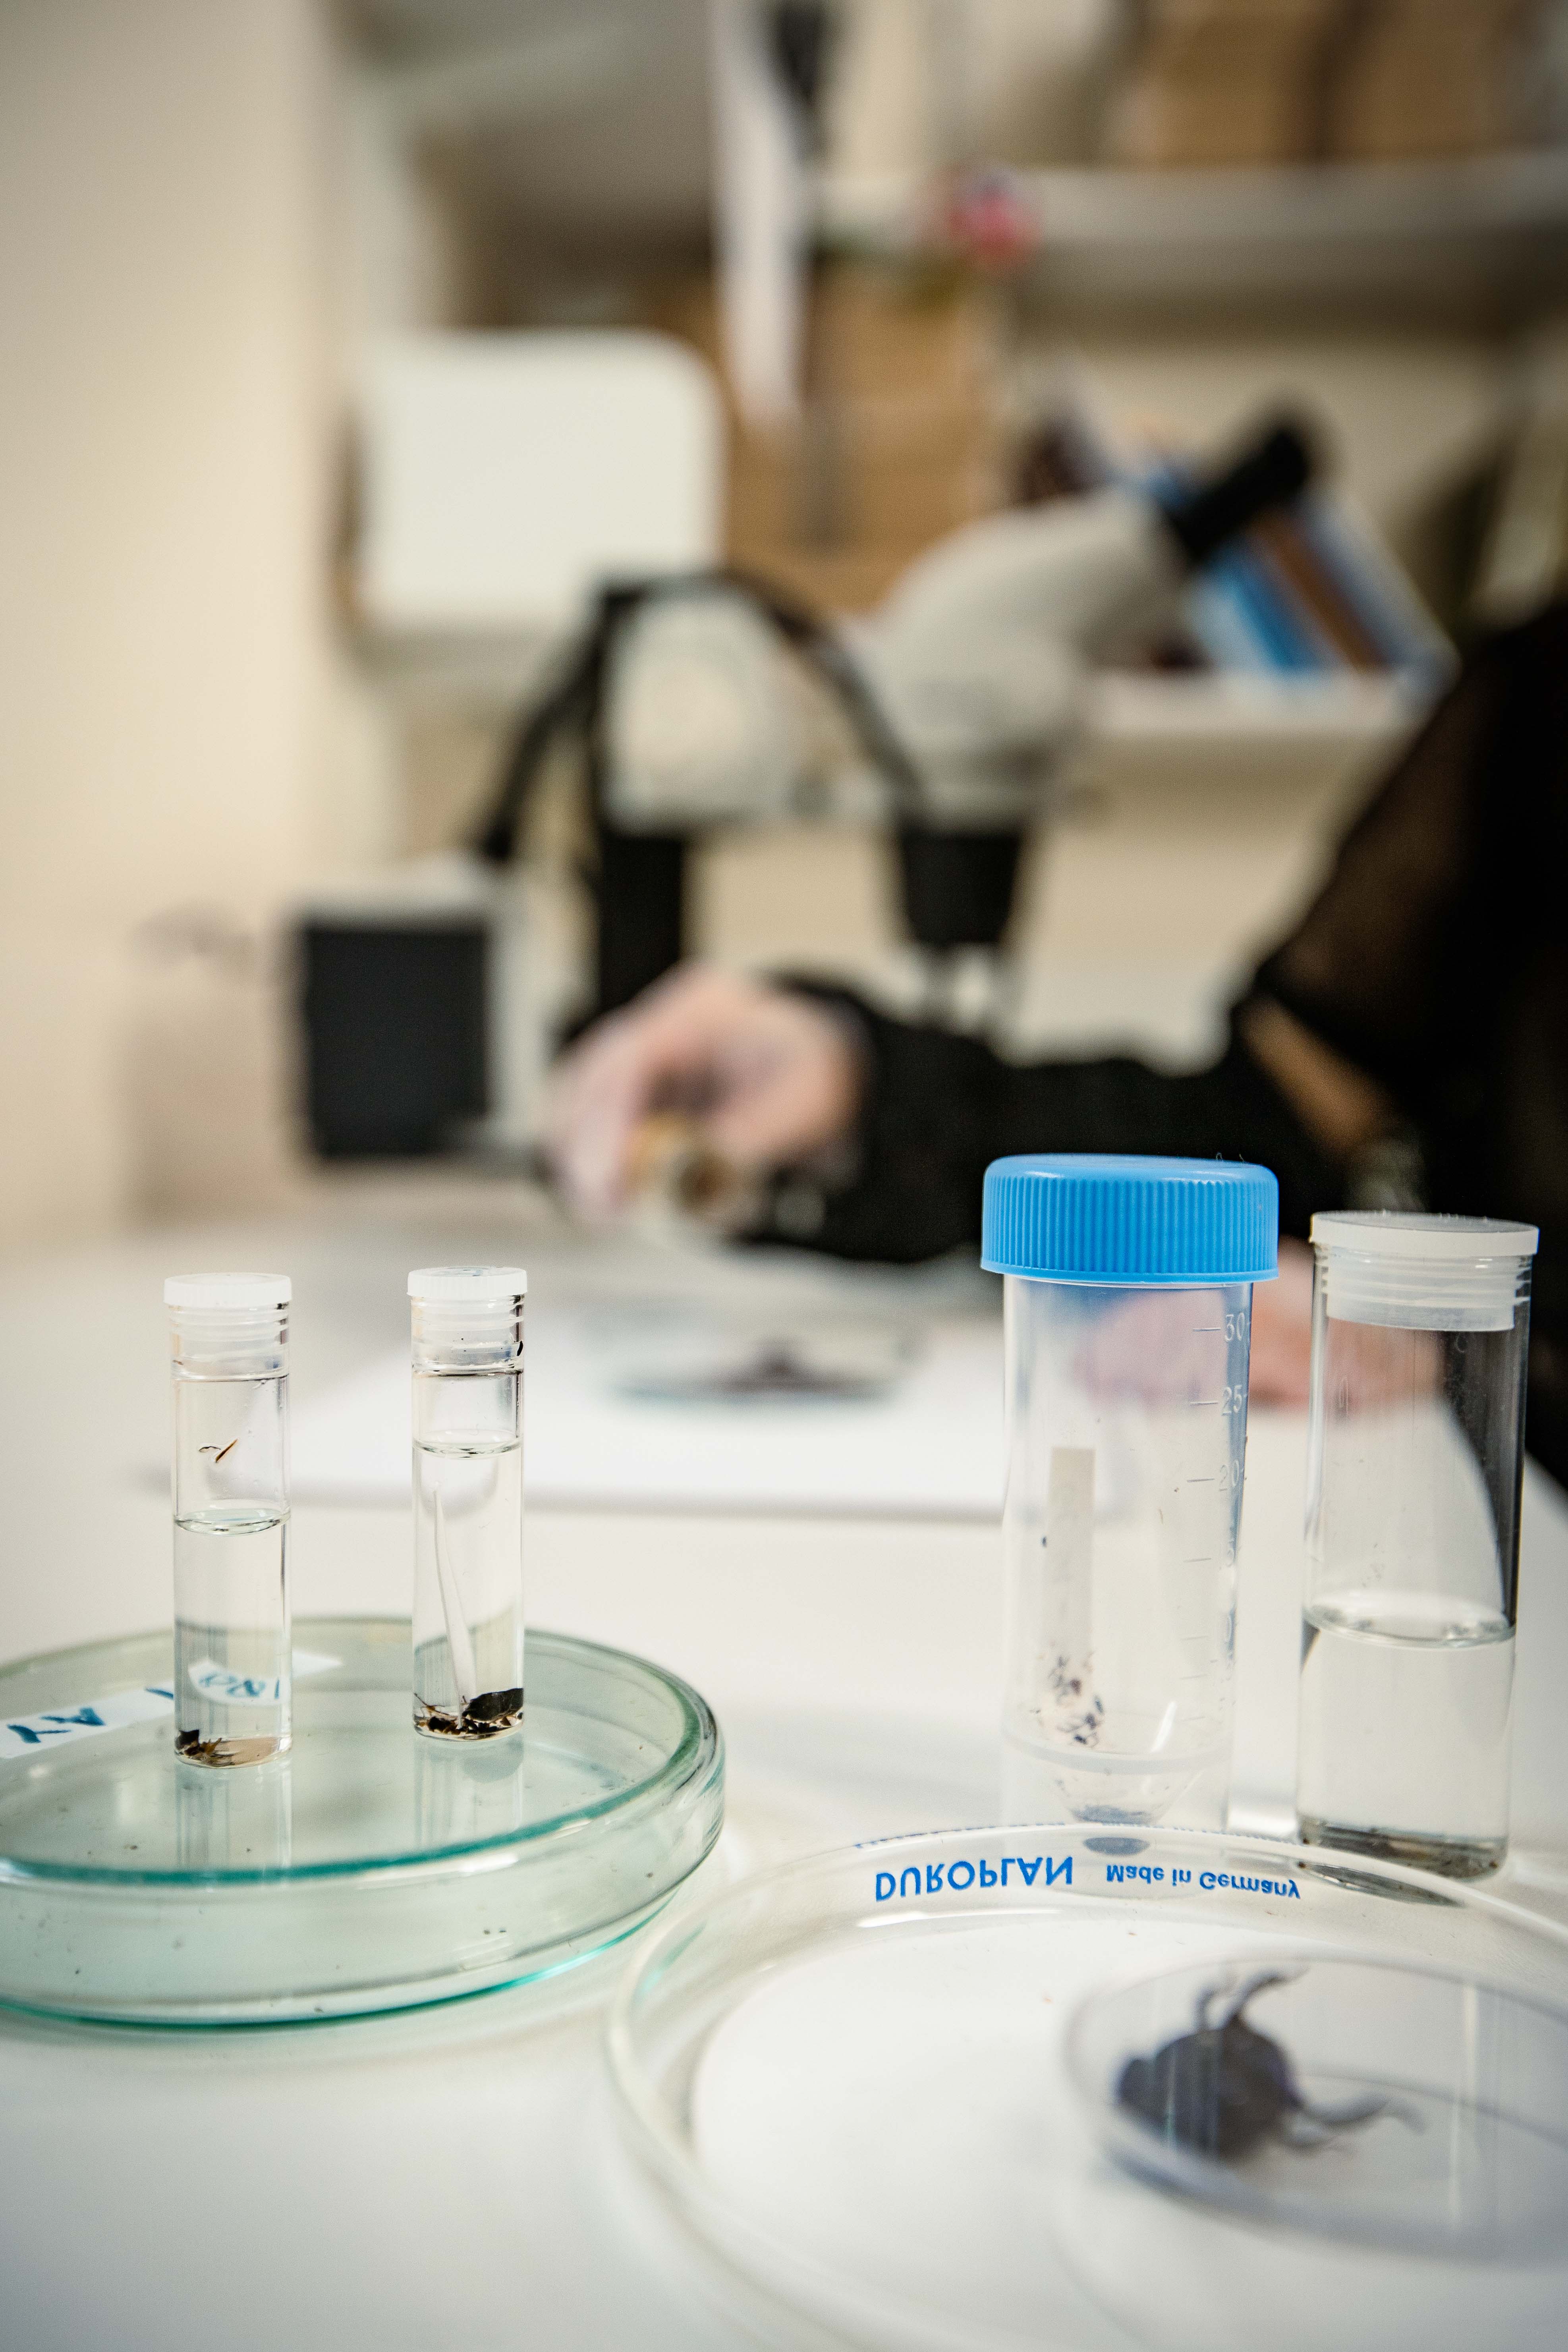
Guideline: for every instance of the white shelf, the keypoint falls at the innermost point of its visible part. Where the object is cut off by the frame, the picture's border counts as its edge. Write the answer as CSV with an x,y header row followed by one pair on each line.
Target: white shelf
x,y
1160,718
1192,712
1490,230
476,673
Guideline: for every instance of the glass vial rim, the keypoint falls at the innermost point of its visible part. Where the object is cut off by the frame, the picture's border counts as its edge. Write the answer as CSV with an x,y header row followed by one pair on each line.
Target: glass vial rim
x,y
226,1293
468,1285
1467,1281
466,1319
1429,1235
228,1326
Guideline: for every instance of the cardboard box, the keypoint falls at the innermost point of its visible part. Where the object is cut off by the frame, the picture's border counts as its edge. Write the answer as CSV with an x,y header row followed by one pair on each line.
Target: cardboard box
x,y
900,441
1227,82
1424,77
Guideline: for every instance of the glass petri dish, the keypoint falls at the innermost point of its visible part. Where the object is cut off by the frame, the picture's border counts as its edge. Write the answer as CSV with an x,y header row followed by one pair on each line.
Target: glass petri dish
x,y
367,1869
845,2084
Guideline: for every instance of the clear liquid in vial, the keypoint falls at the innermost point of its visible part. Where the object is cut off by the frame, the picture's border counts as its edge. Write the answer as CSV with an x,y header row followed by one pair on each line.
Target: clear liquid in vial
x,y
1403,1742
232,1636
467,1587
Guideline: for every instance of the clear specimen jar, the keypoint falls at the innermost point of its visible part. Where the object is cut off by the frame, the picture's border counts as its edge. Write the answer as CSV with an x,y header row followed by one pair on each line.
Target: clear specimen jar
x,y
1415,1460
467,1499
228,1337
1127,1307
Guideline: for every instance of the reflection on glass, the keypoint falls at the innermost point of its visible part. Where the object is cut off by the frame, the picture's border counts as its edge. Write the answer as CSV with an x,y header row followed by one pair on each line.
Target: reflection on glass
x,y
235,1820
463,1795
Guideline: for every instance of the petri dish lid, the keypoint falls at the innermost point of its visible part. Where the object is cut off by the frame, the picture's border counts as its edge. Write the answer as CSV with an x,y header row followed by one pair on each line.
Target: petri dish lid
x,y
245,1293
462,1286
845,2080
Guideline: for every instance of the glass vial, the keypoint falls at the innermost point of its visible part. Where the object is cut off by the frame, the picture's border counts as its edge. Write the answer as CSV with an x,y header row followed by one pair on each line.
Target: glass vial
x,y
1127,1442
228,1337
467,1499
1420,1339
1127,1302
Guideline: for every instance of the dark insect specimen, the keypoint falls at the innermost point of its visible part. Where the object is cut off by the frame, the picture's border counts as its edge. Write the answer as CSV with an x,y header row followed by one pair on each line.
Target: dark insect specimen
x,y
481,1718
219,1452
1222,2088
199,1751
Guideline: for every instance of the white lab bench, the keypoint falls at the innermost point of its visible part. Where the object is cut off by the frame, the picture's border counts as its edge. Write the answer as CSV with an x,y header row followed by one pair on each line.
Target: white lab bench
x,y
452,2175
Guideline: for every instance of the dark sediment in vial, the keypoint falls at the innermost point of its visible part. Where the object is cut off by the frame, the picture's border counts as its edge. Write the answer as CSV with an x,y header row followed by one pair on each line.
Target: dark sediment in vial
x,y
481,1718
1448,1857
192,1748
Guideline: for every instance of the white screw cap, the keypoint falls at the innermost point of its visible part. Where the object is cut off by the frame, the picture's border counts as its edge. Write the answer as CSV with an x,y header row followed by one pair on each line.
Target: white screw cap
x,y
1418,1233
463,1286
243,1292
1411,1271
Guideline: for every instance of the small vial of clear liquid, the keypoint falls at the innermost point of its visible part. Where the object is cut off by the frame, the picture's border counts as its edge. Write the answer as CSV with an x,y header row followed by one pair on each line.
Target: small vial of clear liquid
x,y
1420,1341
467,1499
229,1336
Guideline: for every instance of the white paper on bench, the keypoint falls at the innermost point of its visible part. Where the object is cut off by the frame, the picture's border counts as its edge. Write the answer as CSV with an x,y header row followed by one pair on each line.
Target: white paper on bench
x,y
932,1446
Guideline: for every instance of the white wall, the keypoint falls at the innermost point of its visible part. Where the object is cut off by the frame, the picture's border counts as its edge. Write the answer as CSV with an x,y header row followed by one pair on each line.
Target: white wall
x,y
168,712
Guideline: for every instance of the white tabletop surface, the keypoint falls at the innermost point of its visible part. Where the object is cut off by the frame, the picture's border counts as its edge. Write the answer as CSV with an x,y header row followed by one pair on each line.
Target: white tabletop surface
x,y
451,2175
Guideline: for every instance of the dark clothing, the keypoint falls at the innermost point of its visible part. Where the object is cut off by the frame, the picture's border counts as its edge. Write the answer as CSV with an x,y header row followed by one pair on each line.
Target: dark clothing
x,y
1434,959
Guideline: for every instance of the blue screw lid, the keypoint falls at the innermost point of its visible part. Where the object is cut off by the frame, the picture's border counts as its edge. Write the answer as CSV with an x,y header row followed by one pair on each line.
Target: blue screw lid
x,y
1101,1216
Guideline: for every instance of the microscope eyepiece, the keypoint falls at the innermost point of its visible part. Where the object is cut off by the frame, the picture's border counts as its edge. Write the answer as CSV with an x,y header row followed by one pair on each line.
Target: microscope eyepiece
x,y
1273,471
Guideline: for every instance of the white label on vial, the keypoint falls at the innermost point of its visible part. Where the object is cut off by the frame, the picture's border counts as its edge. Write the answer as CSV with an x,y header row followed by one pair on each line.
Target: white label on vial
x,y
222,1687
30,1735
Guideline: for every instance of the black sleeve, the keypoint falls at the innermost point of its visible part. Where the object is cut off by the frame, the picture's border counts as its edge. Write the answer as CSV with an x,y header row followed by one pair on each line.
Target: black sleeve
x,y
1434,958
937,1109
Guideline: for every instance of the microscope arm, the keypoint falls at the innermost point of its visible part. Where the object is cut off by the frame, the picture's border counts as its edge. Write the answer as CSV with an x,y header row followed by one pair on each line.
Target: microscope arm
x,y
977,657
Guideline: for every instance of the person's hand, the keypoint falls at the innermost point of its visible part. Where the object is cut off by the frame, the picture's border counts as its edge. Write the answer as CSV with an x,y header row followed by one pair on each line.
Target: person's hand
x,y
768,1078
1282,1331
1146,1346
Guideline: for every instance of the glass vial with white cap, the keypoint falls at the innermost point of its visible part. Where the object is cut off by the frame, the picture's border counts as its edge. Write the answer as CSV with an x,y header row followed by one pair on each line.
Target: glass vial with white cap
x,y
1127,1317
228,1337
1420,1343
467,1499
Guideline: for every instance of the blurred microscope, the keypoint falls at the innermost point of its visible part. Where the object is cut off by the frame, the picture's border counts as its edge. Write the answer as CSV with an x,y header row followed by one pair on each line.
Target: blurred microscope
x,y
949,715
571,483
695,700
